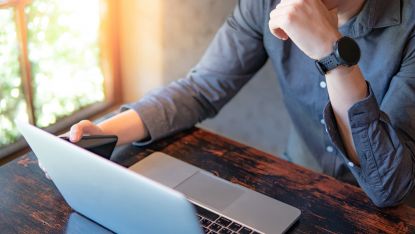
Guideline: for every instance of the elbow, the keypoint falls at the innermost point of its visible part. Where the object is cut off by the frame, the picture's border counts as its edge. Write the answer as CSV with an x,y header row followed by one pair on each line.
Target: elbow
x,y
392,198
385,203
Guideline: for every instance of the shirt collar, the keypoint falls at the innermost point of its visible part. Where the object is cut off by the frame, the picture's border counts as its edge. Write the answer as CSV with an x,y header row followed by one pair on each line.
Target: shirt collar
x,y
374,14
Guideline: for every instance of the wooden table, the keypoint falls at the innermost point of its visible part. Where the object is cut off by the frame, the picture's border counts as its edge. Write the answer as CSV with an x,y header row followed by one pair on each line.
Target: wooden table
x,y
29,203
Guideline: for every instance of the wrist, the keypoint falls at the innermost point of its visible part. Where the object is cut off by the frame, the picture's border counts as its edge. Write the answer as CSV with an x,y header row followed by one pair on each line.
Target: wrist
x,y
104,128
327,45
345,53
342,71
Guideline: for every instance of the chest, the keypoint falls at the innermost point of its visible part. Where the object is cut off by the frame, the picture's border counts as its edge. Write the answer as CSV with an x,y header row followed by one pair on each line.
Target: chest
x,y
300,79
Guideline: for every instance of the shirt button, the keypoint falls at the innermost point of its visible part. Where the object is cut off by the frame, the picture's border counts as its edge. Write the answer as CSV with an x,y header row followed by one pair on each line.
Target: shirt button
x,y
330,149
323,84
351,164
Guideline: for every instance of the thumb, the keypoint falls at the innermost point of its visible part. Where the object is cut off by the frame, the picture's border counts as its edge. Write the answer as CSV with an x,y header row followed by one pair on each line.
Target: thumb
x,y
330,4
334,17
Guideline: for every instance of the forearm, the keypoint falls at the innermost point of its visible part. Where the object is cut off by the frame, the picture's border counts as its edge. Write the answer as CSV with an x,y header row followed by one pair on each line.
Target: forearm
x,y
387,167
346,86
236,53
127,125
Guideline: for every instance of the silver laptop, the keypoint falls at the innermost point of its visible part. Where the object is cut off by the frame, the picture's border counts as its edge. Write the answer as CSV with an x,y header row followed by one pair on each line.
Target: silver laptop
x,y
159,194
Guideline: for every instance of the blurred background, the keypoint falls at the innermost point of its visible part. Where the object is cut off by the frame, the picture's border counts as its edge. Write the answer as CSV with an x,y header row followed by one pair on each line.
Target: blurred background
x,y
62,61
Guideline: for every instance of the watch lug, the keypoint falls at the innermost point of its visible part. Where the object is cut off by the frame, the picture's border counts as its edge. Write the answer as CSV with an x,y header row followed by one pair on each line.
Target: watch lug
x,y
320,68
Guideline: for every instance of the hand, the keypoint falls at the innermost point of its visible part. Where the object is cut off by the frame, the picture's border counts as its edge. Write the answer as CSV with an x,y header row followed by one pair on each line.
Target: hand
x,y
308,23
76,133
84,127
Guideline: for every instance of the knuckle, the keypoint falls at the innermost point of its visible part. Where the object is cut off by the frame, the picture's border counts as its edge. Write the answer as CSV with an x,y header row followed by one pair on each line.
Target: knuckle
x,y
290,17
295,8
85,122
74,127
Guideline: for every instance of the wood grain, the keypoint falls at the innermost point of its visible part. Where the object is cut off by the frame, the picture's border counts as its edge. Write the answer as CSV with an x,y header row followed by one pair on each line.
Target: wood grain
x,y
31,204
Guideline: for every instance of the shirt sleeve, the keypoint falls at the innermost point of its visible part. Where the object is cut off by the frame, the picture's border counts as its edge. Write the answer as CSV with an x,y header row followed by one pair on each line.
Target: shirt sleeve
x,y
384,137
234,56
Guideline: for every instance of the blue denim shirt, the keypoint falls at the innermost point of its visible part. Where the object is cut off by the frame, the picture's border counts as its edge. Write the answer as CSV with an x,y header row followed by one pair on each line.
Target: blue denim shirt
x,y
383,124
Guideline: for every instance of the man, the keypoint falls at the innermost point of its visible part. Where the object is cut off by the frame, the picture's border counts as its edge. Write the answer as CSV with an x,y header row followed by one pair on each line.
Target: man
x,y
366,96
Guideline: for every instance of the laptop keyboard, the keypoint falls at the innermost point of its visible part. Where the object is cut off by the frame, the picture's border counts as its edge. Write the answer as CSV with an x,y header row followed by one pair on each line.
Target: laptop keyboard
x,y
213,223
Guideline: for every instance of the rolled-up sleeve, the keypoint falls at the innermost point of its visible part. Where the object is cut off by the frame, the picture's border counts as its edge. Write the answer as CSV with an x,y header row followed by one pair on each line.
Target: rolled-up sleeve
x,y
384,137
234,56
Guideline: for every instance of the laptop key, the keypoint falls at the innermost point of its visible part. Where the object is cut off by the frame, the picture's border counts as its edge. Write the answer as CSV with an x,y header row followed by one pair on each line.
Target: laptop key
x,y
225,231
205,230
235,227
245,230
205,222
215,227
223,221
206,213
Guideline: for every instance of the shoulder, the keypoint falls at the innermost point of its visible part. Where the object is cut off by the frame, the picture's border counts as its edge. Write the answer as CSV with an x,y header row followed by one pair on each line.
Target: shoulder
x,y
254,13
394,20
407,28
408,14
257,6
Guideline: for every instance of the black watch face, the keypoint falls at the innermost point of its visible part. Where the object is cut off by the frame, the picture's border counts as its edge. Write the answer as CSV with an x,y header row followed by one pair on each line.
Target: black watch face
x,y
348,51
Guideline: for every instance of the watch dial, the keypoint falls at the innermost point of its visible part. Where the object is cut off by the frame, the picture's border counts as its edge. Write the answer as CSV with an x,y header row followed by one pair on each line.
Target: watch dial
x,y
348,51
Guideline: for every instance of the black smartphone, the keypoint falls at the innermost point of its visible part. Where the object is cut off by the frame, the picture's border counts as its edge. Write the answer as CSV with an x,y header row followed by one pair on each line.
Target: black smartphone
x,y
102,145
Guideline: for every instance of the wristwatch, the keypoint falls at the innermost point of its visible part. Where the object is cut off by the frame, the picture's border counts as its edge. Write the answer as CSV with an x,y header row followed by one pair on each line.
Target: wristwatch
x,y
346,52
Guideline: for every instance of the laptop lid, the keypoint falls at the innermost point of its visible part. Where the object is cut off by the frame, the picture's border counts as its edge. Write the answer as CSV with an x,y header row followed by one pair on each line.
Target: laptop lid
x,y
107,193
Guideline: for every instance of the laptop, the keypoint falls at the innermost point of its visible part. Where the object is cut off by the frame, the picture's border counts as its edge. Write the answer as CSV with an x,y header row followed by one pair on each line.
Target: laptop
x,y
159,194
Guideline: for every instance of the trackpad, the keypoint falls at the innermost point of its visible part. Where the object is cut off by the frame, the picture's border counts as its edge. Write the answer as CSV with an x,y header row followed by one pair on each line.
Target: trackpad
x,y
210,190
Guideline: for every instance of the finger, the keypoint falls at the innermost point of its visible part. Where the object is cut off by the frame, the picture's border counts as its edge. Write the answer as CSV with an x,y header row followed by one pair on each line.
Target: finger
x,y
66,134
279,33
81,128
89,127
276,26
75,133
279,17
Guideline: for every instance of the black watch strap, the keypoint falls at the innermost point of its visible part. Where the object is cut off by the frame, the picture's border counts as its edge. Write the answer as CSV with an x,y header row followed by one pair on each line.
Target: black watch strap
x,y
346,52
327,63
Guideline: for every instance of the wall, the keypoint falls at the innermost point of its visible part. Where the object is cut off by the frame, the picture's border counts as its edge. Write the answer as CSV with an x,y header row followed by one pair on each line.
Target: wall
x,y
163,39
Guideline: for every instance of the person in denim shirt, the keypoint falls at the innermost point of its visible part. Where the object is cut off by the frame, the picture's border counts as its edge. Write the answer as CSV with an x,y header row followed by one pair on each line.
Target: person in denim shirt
x,y
358,122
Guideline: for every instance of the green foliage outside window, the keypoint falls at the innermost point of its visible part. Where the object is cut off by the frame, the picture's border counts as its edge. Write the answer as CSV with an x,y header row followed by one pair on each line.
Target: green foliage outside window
x,y
64,55
12,102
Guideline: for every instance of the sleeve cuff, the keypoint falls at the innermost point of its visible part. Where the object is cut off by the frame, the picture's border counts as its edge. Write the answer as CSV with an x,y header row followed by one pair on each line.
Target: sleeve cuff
x,y
334,136
148,115
331,127
360,114
365,111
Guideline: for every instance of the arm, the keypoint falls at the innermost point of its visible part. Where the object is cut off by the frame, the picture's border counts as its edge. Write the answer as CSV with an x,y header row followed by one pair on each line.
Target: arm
x,y
384,136
127,125
233,57
381,147
346,86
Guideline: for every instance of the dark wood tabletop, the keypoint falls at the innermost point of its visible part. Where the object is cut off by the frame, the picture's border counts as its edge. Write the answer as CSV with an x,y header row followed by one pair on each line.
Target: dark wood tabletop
x,y
30,203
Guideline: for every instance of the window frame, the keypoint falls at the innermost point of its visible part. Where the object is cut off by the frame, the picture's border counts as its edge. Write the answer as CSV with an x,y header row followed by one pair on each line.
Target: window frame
x,y
109,61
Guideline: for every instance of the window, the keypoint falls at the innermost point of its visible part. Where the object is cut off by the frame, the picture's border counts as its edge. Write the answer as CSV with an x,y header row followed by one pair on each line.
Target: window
x,y
57,58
